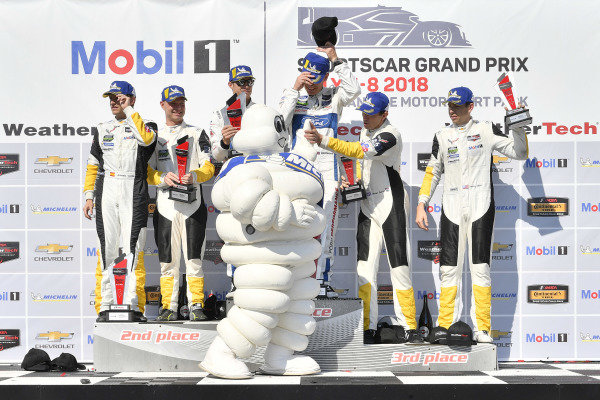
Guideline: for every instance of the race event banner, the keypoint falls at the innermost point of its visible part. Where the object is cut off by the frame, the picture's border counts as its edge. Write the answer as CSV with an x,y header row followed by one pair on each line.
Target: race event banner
x,y
61,55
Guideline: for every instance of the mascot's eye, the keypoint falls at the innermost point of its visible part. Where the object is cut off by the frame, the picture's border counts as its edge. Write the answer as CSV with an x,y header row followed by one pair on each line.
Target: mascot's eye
x,y
279,124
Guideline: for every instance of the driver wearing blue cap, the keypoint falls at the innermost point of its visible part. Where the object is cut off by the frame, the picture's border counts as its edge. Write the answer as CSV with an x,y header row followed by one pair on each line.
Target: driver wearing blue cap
x,y
115,184
463,152
241,81
310,100
383,214
179,226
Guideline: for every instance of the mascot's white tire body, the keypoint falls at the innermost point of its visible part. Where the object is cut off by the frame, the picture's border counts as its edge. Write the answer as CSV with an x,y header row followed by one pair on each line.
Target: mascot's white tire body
x,y
263,276
233,231
269,218
279,253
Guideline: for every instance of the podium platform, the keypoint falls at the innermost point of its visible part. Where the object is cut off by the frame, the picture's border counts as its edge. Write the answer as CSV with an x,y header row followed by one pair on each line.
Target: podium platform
x,y
337,345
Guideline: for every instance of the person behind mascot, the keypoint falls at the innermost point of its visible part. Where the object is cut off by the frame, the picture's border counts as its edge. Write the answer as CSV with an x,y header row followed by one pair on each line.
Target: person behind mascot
x,y
241,81
269,218
310,100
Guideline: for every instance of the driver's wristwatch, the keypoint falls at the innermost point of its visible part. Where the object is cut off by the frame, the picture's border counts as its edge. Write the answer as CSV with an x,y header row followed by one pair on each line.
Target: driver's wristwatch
x,y
336,63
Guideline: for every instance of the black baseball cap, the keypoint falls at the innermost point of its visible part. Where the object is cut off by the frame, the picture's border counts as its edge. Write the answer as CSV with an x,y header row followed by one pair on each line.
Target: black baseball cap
x,y
66,362
323,30
36,360
438,335
460,334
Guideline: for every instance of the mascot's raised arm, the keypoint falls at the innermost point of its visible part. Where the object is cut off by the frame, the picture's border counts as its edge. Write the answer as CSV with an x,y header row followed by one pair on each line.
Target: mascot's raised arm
x,y
269,218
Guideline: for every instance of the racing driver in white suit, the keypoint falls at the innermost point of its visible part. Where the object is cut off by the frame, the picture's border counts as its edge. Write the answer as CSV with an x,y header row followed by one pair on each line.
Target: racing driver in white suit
x,y
383,214
463,151
179,225
115,183
323,107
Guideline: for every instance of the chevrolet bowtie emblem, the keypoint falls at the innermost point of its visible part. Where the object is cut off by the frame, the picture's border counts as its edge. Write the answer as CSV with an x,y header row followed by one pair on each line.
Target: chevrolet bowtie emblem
x,y
496,334
54,160
54,248
498,247
498,159
54,336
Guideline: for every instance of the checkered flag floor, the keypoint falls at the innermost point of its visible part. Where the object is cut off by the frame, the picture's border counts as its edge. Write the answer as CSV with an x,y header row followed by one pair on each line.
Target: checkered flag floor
x,y
509,373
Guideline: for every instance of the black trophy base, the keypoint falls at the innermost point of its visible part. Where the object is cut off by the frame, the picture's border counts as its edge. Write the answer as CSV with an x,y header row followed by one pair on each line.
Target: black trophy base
x,y
182,193
119,313
354,192
517,118
232,153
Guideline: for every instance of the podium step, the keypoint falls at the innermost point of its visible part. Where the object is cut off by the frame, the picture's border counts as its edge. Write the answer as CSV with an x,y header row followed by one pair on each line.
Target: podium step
x,y
337,345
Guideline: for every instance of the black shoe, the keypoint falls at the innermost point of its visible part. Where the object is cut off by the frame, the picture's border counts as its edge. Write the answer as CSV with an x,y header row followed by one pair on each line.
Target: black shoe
x,y
197,313
369,336
413,336
102,316
327,292
167,315
139,317
229,294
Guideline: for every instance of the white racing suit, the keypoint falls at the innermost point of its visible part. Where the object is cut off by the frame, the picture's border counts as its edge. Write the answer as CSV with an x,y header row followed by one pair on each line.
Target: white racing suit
x,y
382,220
116,180
177,225
324,110
219,151
464,154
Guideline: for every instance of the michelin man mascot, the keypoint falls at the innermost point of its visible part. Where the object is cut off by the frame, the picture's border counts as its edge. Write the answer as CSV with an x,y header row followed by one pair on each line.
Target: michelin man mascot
x,y
269,218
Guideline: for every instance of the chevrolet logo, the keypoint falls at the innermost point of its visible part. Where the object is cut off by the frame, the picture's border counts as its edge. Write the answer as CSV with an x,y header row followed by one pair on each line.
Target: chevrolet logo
x,y
53,248
498,247
54,336
496,334
54,160
500,160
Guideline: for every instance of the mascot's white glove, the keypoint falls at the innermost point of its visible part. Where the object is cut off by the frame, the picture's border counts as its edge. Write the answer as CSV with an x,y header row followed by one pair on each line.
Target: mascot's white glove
x,y
304,213
243,193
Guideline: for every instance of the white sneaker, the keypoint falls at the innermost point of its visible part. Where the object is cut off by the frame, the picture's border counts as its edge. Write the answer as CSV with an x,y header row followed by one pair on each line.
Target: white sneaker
x,y
220,361
282,361
483,337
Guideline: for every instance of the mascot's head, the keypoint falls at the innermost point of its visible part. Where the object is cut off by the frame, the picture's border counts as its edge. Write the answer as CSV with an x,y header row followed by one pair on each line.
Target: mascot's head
x,y
262,132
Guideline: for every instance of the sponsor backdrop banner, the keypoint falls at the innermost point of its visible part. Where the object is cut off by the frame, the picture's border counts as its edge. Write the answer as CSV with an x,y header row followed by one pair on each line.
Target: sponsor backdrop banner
x,y
64,54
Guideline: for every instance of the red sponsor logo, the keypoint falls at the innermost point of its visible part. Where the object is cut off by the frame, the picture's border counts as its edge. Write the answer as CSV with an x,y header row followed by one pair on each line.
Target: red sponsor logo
x,y
586,128
352,130
322,312
428,358
159,337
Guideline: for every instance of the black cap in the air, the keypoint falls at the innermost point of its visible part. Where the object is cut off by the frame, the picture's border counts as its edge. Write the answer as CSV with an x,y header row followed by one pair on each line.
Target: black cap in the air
x,y
323,30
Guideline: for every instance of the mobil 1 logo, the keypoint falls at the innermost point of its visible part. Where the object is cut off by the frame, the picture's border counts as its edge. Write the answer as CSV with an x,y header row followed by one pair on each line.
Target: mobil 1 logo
x,y
211,56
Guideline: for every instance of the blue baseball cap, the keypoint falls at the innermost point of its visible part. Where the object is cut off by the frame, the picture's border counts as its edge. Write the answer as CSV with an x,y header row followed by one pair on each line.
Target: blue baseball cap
x,y
172,92
459,96
317,65
240,72
120,87
374,103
